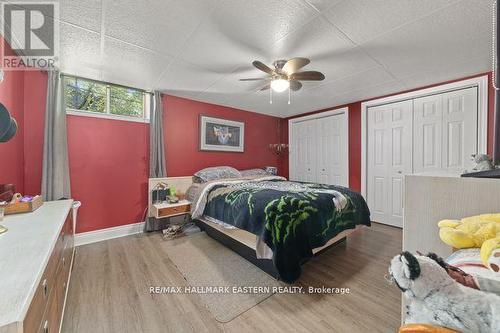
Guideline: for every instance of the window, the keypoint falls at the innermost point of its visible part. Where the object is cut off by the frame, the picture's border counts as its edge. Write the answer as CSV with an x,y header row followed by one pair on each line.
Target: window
x,y
99,99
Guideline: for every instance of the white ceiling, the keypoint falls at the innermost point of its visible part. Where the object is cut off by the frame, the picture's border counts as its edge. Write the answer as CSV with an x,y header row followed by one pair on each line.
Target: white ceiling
x,y
200,48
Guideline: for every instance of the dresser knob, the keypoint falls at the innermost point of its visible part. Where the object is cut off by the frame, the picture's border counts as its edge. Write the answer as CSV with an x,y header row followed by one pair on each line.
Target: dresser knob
x,y
45,287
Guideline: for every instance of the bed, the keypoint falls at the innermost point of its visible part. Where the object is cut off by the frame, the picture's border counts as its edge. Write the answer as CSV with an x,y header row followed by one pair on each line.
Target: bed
x,y
274,223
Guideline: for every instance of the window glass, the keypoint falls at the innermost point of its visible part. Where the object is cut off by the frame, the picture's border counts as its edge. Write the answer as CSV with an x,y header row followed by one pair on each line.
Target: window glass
x,y
85,95
126,101
99,97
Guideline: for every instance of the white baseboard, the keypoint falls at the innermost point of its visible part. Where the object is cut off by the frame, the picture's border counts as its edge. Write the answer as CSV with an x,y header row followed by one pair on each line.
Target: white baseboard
x,y
109,233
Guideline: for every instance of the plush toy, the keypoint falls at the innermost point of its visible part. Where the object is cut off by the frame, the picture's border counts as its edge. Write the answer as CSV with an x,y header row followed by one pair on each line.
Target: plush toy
x,y
476,231
483,162
437,299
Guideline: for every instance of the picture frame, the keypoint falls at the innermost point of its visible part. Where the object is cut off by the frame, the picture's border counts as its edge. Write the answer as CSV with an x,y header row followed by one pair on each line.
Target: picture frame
x,y
219,134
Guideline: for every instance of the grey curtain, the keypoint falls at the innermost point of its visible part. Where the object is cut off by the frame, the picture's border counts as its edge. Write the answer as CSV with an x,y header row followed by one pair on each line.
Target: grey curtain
x,y
156,154
156,139
55,173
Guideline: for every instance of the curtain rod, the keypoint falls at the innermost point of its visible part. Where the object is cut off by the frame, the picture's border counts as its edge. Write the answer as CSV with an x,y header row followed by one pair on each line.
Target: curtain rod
x,y
108,83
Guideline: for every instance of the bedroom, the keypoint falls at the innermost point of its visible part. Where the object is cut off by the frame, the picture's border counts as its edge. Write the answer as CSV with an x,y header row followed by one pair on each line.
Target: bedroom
x,y
199,200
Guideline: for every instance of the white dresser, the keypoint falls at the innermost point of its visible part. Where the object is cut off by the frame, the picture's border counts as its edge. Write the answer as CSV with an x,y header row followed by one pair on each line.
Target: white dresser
x,y
432,198
429,199
36,256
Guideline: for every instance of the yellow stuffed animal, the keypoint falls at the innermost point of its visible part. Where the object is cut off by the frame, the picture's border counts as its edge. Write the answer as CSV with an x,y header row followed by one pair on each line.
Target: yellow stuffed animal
x,y
476,231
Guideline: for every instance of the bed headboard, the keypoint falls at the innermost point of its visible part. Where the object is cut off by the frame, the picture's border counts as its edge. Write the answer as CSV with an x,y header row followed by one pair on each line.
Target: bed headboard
x,y
180,183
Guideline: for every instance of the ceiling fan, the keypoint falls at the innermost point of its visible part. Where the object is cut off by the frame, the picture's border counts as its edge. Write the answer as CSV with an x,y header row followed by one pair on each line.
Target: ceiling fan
x,y
285,75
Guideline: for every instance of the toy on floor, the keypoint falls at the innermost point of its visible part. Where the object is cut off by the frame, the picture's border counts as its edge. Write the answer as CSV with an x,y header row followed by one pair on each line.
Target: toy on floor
x,y
437,299
481,231
424,328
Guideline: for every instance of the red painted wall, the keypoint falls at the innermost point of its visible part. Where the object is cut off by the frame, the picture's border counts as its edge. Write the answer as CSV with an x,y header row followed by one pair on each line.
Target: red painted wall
x,y
355,131
109,170
11,153
109,159
182,141
35,92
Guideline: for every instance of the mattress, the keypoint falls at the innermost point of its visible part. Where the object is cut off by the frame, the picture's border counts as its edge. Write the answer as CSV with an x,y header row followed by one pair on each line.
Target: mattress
x,y
289,218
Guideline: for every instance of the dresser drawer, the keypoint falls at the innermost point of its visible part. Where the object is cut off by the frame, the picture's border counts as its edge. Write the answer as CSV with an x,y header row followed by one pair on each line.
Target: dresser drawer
x,y
50,320
176,210
44,288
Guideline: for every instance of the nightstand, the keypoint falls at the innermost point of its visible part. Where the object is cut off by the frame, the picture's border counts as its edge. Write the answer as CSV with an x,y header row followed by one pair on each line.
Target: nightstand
x,y
164,209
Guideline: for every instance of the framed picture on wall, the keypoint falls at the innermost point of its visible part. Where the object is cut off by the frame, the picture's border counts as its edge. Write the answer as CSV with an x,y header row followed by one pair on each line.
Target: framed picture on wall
x,y
217,134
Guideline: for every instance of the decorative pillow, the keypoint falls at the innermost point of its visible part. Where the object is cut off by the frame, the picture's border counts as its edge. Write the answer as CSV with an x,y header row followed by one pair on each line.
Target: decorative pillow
x,y
215,173
254,172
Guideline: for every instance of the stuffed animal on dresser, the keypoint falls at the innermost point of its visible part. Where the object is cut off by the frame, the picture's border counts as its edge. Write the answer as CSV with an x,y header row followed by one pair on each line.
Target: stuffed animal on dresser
x,y
481,231
483,163
433,297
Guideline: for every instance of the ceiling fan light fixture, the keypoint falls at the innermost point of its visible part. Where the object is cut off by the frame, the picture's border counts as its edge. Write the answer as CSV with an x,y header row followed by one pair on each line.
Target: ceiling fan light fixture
x,y
280,85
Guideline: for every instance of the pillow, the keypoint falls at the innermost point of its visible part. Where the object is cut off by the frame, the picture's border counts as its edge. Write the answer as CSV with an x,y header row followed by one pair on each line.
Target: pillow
x,y
254,172
215,173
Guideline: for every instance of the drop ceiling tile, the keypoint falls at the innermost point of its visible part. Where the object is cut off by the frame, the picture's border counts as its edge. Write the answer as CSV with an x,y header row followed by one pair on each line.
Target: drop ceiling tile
x,y
363,20
322,5
372,77
445,39
304,100
80,51
162,26
330,52
241,31
231,83
372,92
86,14
333,100
317,39
448,72
184,77
130,65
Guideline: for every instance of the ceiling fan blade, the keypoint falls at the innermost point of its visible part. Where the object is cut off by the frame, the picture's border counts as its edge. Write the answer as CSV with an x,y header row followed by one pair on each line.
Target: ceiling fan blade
x,y
295,85
266,87
259,65
294,64
307,76
256,79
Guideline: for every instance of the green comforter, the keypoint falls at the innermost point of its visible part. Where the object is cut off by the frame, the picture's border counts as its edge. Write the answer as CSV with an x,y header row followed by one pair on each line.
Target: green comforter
x,y
292,218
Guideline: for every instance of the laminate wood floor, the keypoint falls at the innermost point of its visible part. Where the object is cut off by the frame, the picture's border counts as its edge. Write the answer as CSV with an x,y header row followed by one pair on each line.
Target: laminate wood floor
x,y
109,291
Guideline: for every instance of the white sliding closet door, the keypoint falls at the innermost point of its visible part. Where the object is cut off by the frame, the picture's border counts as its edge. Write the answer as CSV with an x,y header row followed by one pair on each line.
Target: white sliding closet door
x,y
389,159
319,150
